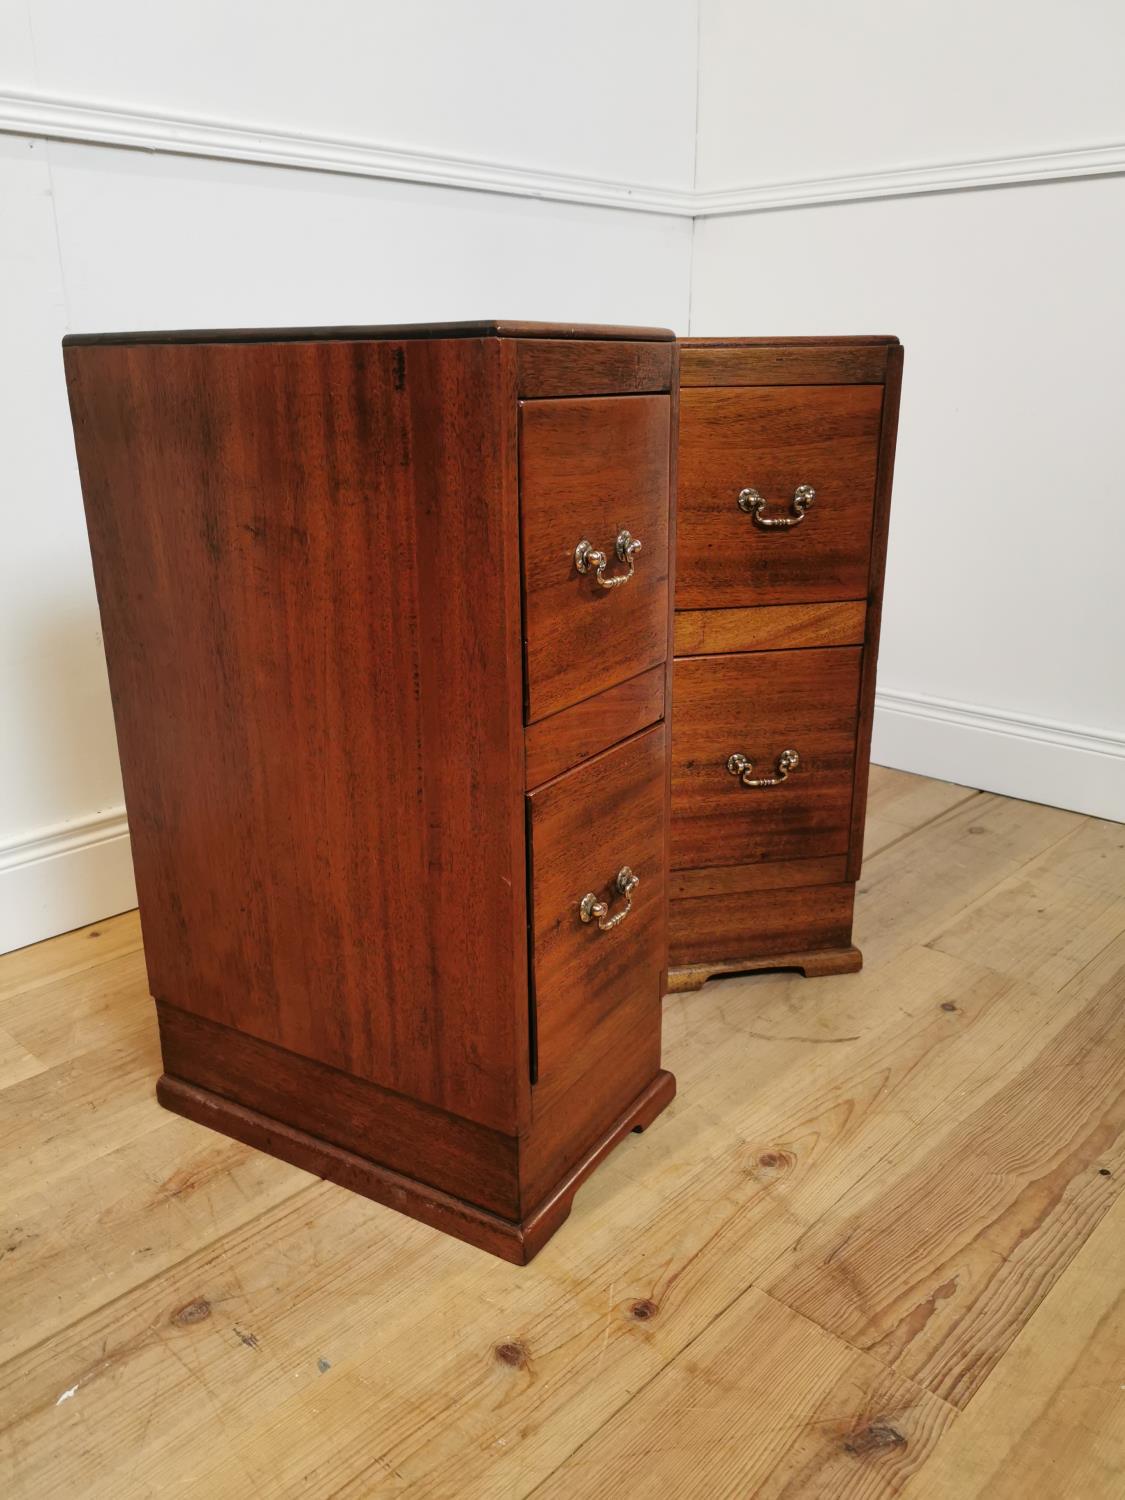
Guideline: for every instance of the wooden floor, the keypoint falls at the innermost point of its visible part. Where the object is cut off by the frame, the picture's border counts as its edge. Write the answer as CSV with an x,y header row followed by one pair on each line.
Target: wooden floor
x,y
876,1247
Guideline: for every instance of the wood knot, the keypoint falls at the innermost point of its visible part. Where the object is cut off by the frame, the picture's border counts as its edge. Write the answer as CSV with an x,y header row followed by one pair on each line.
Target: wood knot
x,y
948,1005
874,1439
772,1163
515,1355
192,1312
642,1311
1104,1172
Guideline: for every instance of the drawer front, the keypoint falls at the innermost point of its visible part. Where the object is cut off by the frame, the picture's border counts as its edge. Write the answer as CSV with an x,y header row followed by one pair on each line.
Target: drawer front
x,y
758,705
753,925
592,471
772,440
596,996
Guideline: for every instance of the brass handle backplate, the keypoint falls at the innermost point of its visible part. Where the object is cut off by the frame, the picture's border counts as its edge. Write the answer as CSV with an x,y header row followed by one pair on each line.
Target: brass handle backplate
x,y
754,504
586,556
739,766
590,909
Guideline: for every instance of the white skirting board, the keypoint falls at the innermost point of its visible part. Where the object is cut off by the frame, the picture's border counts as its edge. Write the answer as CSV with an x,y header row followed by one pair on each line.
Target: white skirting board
x,y
64,877
1063,765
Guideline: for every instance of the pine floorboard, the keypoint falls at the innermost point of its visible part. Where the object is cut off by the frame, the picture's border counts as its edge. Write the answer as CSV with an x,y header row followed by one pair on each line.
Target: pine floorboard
x,y
874,1248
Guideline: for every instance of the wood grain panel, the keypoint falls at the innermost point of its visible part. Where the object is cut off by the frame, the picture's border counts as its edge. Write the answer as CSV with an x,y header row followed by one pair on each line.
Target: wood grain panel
x,y
787,364
758,704
564,367
597,994
759,923
429,1145
293,768
588,470
772,627
770,874
772,439
563,741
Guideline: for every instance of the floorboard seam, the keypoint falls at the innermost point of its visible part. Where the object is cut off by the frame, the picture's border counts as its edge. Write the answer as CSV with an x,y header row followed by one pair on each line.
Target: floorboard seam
x,y
959,911
46,984
909,833
831,1333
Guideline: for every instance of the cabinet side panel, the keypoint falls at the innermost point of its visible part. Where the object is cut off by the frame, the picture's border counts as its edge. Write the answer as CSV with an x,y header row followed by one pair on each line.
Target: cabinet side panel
x,y
301,553
888,438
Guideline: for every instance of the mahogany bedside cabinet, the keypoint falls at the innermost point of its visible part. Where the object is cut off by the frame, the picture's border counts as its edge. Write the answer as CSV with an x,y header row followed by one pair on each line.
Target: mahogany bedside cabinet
x,y
387,613
786,450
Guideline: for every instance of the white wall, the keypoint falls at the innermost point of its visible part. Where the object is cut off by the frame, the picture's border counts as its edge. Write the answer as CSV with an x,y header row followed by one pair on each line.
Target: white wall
x,y
1001,663
198,163
816,89
559,121
594,88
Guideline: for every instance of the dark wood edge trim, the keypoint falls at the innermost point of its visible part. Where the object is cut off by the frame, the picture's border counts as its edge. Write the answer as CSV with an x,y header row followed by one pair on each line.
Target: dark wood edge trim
x,y
515,689
888,438
813,965
811,341
517,1242
767,650
798,873
731,609
373,332
533,791
428,1204
751,385
544,725
557,713
670,664
710,371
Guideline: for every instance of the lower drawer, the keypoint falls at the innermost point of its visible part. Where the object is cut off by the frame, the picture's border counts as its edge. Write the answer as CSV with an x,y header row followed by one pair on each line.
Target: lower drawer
x,y
762,706
756,924
598,950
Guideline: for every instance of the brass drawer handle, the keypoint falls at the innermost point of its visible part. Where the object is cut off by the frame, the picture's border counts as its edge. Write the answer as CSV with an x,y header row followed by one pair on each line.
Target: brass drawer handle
x,y
591,909
626,548
753,503
739,766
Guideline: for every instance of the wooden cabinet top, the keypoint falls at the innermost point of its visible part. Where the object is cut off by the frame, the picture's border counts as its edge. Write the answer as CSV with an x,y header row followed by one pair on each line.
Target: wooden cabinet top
x,y
811,341
487,328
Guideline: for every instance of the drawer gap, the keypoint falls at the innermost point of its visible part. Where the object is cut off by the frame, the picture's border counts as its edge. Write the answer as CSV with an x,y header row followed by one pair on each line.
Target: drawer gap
x,y
532,1006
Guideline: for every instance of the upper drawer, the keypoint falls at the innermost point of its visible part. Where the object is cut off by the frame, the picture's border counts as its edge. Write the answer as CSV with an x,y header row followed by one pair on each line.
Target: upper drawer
x,y
773,440
759,706
595,472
